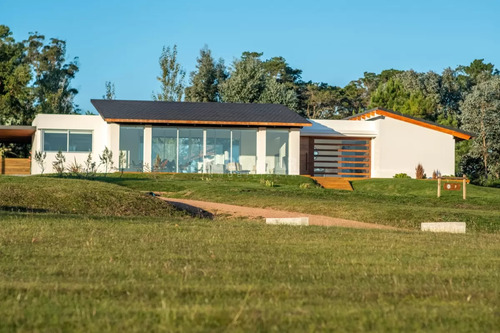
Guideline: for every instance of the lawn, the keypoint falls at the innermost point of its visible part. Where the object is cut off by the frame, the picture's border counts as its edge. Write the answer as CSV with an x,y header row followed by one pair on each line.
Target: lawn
x,y
94,256
402,203
75,273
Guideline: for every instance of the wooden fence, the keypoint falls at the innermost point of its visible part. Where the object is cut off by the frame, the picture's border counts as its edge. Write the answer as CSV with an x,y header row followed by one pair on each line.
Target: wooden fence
x,y
15,166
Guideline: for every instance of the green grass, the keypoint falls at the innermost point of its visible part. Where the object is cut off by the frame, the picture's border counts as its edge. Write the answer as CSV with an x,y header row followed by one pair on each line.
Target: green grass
x,y
75,196
402,203
60,273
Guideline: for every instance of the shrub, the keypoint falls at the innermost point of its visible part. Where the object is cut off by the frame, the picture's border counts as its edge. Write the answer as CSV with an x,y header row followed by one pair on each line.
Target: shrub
x,y
401,175
436,174
75,169
90,167
269,183
40,160
305,185
107,160
420,172
58,164
121,162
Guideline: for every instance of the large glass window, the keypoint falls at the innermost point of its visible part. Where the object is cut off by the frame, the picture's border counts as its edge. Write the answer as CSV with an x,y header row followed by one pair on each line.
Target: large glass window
x,y
67,141
80,141
190,150
164,149
244,151
277,151
132,145
55,141
218,153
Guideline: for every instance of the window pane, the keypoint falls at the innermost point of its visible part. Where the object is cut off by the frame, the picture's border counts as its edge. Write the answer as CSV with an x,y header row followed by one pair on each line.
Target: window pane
x,y
132,145
218,151
164,148
55,141
277,151
80,141
244,154
190,150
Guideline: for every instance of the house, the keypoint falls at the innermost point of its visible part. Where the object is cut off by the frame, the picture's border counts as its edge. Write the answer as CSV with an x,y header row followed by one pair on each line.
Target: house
x,y
186,137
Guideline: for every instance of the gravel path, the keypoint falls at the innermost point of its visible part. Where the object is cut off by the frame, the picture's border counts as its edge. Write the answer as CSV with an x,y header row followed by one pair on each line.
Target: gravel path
x,y
259,213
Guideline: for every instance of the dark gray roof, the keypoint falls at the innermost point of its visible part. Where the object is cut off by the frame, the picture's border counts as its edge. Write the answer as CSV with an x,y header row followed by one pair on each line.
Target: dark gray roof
x,y
198,113
453,129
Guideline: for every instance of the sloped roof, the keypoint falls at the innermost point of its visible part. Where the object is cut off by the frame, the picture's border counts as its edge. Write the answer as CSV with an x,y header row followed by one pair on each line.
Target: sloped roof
x,y
457,133
194,113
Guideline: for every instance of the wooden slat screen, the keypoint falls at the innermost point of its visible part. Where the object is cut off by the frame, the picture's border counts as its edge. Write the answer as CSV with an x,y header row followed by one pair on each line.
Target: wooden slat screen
x,y
341,157
15,166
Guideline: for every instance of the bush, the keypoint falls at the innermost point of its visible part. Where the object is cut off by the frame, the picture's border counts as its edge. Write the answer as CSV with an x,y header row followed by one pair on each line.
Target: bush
x,y
401,175
420,172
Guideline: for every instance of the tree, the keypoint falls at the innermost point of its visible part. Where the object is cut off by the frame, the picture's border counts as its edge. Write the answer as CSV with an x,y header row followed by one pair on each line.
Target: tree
x,y
247,80
110,90
16,98
171,77
53,75
206,79
481,115
278,93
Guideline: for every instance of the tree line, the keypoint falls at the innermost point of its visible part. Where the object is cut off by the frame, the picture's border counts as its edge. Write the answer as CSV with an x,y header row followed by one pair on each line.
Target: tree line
x,y
35,77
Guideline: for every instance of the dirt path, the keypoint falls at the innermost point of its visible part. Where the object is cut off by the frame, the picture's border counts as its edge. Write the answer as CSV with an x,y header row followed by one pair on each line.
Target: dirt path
x,y
259,213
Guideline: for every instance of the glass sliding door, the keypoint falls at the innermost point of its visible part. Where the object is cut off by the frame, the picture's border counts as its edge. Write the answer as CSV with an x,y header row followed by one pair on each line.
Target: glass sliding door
x,y
190,150
218,150
164,149
277,151
132,145
244,152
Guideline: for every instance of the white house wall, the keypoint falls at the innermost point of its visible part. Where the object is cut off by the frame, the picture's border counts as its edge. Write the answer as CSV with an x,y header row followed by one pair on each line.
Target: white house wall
x,y
100,138
400,146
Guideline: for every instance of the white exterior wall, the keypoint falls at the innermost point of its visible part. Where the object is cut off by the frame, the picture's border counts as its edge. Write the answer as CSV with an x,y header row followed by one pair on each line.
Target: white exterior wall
x,y
400,146
100,138
294,152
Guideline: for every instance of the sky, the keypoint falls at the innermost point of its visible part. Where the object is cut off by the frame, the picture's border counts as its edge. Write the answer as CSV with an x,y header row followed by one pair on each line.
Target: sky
x,y
330,41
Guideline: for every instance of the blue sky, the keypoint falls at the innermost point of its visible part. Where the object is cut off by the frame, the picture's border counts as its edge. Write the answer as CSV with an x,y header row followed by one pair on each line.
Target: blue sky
x,y
331,41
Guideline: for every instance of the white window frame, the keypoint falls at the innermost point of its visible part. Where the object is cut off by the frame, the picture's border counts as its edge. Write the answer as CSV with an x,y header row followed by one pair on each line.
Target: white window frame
x,y
67,132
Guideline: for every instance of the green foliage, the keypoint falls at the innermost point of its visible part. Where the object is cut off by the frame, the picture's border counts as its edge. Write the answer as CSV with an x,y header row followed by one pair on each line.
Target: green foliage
x,y
481,115
246,82
40,160
206,80
58,164
110,90
171,77
75,169
401,175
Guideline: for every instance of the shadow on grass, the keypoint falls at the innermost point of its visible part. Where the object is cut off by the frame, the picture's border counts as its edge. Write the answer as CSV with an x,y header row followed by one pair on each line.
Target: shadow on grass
x,y
20,209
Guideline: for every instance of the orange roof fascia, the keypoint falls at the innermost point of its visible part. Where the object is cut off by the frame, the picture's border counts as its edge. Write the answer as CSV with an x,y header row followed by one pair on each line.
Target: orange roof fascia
x,y
416,122
207,122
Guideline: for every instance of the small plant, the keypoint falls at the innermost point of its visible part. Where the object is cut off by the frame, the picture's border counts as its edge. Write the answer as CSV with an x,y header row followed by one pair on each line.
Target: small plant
x,y
75,169
401,175
40,160
269,183
420,172
58,164
90,167
305,185
121,162
107,160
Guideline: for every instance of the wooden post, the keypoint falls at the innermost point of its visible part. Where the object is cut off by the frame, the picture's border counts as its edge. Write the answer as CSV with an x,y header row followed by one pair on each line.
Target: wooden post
x,y
464,186
439,186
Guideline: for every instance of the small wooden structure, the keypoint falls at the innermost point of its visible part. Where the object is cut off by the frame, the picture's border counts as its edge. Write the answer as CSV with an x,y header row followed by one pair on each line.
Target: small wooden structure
x,y
453,184
15,166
